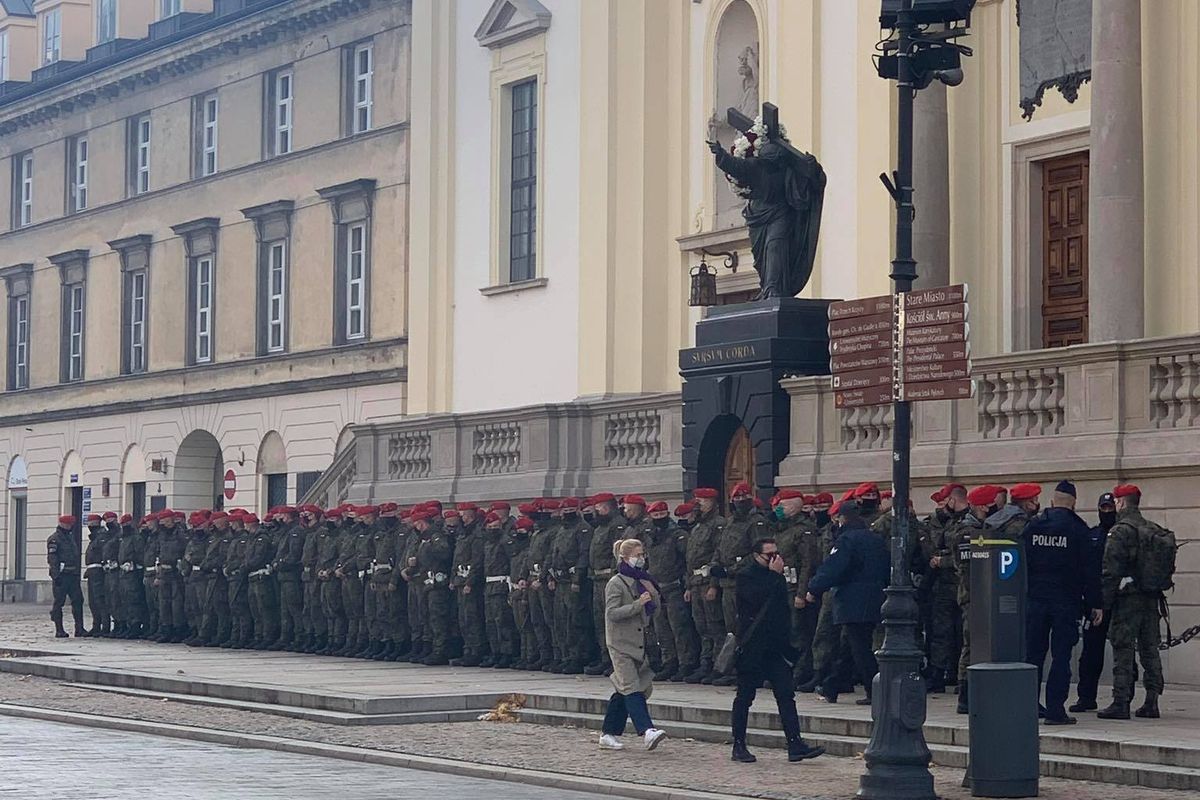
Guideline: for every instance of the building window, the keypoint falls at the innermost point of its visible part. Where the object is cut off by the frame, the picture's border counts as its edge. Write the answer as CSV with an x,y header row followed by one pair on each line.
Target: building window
x,y
22,190
279,113
72,333
206,135
276,296
18,342
139,154
3,56
135,310
51,36
202,309
168,8
77,174
106,21
522,255
356,281
361,88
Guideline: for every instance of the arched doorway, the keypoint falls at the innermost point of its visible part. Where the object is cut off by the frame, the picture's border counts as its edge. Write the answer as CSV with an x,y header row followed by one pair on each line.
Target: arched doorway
x,y
739,460
18,518
198,479
726,456
272,467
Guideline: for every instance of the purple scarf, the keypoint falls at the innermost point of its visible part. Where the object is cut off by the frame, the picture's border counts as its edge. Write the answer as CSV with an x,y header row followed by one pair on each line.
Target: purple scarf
x,y
639,575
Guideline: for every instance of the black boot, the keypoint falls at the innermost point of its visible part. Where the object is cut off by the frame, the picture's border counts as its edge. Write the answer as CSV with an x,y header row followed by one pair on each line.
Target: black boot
x,y
1149,709
80,633
59,633
1083,705
1118,710
668,671
936,683
963,706
800,750
740,753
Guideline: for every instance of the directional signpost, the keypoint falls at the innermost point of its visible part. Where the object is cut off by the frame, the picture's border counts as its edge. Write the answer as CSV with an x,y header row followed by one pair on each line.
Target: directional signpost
x,y
910,346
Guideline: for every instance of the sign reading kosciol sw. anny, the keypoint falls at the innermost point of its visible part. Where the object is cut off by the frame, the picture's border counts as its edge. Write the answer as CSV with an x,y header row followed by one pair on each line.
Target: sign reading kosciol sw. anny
x,y
911,346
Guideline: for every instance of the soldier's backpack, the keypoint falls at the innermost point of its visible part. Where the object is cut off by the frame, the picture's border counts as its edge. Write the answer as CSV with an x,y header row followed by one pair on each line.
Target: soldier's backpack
x,y
1156,558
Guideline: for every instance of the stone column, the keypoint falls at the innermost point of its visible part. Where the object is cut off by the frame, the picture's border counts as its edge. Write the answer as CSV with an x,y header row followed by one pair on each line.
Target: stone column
x,y
1116,265
931,187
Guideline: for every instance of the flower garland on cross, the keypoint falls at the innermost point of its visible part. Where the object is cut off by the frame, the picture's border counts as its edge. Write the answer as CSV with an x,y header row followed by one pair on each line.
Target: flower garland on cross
x,y
745,146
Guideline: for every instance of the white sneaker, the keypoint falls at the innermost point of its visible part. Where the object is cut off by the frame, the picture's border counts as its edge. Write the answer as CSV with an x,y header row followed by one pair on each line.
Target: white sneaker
x,y
610,742
653,737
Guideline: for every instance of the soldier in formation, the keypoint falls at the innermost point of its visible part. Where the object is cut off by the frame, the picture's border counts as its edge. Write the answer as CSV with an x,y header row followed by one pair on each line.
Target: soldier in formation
x,y
475,587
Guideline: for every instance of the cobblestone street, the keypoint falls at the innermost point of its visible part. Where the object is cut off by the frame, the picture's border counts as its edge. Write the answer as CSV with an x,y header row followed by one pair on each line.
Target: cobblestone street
x,y
680,763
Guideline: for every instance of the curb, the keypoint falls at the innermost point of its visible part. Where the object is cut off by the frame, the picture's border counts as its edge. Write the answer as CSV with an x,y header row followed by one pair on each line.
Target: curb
x,y
402,760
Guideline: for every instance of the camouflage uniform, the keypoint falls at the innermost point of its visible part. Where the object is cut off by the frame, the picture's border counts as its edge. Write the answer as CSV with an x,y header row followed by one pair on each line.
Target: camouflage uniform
x,y
666,556
519,564
316,628
133,593
112,580
93,573
216,624
195,581
498,615
288,567
364,557
241,625
541,597
149,536
415,583
1135,613
397,607
832,660
701,554
172,624
350,585
944,628
331,587
958,541
467,583
62,556
264,599
435,556
733,555
380,572
568,557
800,546
601,567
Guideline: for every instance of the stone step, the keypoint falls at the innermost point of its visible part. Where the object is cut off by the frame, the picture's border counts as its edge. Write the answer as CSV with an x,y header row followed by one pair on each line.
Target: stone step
x,y
68,672
293,712
1072,742
1158,776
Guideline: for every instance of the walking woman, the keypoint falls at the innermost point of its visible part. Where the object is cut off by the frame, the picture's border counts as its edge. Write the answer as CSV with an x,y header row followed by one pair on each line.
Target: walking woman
x,y
630,598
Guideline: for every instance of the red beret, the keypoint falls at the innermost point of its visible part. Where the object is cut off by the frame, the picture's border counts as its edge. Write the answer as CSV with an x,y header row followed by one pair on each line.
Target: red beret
x,y
758,503
835,508
250,519
67,521
434,505
524,523
983,495
603,497
388,508
550,504
848,495
364,510
217,516
126,519
179,515
634,500
886,494
499,504
166,512
451,513
527,508
790,494
683,509
1025,491
705,493
421,515
657,507
939,496
864,489
570,502
1126,490
287,509
822,498
331,513
110,515
467,507
492,516
93,518
740,488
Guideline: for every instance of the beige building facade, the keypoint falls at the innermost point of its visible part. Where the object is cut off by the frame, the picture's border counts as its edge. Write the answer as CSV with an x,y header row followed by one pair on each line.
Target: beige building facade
x,y
203,253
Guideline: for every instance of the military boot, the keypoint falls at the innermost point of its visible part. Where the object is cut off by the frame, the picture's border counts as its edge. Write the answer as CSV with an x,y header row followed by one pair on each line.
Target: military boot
x,y
80,633
667,672
596,668
699,674
740,753
1118,710
725,680
570,667
682,673
1149,709
487,663
59,633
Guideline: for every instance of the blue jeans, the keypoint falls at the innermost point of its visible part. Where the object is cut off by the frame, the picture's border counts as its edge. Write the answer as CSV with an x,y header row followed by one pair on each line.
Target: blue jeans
x,y
627,706
1054,626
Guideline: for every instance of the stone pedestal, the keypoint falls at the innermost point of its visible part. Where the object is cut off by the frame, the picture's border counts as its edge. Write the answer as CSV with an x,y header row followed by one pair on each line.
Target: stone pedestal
x,y
731,380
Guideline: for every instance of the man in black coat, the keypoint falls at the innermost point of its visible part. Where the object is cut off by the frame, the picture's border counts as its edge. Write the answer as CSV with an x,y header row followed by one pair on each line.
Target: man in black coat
x,y
765,650
856,571
1091,658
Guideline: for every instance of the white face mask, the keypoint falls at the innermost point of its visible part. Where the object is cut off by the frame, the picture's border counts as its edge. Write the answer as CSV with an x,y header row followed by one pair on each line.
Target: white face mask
x,y
637,562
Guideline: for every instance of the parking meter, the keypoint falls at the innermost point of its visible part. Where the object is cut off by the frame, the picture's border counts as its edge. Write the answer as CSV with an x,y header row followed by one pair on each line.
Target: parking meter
x,y
999,585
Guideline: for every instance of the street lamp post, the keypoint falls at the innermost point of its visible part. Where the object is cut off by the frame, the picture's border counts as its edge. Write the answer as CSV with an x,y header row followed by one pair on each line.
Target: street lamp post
x,y
897,757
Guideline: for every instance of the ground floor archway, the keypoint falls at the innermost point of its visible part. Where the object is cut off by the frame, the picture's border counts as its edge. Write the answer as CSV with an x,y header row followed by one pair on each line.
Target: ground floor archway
x,y
198,473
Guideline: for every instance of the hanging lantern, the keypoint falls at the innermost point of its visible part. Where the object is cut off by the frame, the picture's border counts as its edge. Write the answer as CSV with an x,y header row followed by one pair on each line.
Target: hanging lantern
x,y
704,285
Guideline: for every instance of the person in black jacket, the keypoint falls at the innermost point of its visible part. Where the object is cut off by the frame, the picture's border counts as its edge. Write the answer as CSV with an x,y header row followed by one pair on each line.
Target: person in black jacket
x,y
765,650
857,571
1061,585
1091,659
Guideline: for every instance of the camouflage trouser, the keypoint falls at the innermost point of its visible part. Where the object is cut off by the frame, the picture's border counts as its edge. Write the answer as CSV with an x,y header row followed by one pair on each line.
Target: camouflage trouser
x,y
831,651
470,621
194,594
498,615
97,600
541,618
438,611
598,587
729,604
291,607
397,611
314,615
964,652
331,606
1135,630
370,623
264,608
570,622
526,638
133,598
352,602
112,595
945,623
416,612
216,609
150,592
170,601
710,622
804,630
673,626
241,623
381,621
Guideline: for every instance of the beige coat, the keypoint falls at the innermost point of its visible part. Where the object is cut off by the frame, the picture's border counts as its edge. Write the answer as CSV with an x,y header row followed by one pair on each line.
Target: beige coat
x,y
625,622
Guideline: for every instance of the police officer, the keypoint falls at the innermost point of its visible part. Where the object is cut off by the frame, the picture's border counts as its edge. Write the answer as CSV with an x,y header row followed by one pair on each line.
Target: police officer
x,y
1135,607
1061,584
1091,659
745,527
62,556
